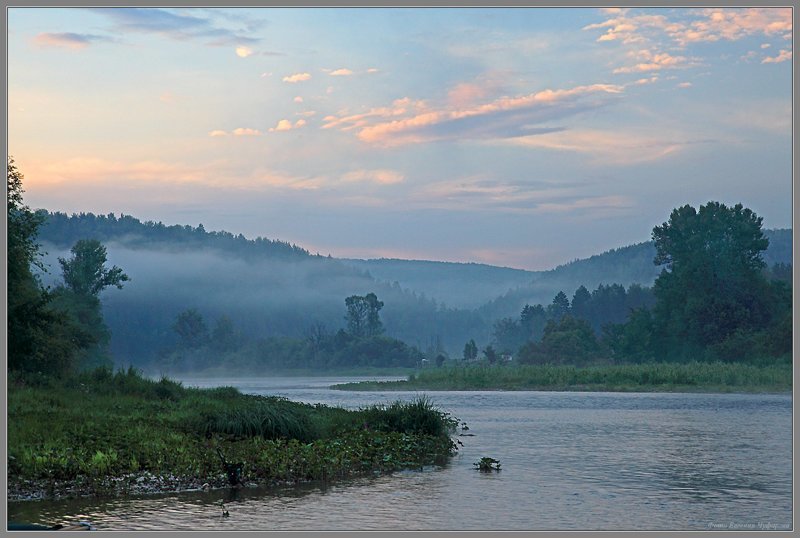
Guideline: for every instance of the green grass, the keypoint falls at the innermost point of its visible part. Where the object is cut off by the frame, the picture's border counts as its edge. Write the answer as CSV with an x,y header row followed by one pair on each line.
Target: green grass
x,y
226,372
687,377
112,424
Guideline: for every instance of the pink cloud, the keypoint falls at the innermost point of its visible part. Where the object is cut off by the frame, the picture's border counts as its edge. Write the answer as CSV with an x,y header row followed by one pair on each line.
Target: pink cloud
x,y
407,122
246,131
297,77
341,73
783,56
67,40
712,24
654,62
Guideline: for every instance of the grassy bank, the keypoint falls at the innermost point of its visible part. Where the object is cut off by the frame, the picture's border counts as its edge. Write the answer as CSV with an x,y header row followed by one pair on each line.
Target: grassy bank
x,y
689,377
356,371
106,433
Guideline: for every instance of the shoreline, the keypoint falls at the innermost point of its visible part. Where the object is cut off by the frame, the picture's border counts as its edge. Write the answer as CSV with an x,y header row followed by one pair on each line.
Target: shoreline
x,y
369,386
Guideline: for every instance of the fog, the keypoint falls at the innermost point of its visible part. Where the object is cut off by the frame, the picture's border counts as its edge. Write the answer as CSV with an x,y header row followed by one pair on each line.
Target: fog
x,y
262,297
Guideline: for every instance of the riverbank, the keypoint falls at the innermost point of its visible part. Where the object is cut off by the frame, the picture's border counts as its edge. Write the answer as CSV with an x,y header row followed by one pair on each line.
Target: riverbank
x,y
108,434
689,377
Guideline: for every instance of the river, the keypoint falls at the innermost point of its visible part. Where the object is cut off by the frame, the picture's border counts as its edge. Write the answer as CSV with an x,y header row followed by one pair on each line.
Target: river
x,y
570,461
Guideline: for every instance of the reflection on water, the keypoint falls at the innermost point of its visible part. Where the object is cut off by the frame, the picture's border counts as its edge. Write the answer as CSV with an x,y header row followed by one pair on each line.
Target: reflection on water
x,y
570,461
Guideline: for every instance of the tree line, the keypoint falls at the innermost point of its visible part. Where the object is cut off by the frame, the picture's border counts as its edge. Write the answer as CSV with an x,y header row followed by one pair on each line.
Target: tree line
x,y
361,343
715,299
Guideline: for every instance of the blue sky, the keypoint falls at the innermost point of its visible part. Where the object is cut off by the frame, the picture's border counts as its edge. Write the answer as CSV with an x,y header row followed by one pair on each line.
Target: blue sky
x,y
521,137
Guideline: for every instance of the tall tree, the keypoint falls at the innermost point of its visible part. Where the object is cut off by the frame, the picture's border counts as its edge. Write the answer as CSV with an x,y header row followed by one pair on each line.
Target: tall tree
x,y
559,307
41,338
191,328
363,315
85,275
712,284
356,317
470,350
374,325
85,272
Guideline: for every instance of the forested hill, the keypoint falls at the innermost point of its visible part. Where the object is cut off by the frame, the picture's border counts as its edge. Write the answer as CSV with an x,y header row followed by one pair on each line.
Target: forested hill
x,y
626,265
63,231
267,288
459,285
274,288
502,291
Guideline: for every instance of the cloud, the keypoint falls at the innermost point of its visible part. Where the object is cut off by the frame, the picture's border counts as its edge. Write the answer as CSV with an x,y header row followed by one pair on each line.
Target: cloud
x,y
684,85
484,194
783,56
217,132
373,70
657,61
178,26
297,77
244,52
647,80
409,122
712,24
306,113
341,73
219,174
246,131
287,125
298,99
67,40
608,147
381,177
466,94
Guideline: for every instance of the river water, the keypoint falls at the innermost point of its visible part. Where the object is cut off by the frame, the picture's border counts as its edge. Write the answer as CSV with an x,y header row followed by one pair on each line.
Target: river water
x,y
570,461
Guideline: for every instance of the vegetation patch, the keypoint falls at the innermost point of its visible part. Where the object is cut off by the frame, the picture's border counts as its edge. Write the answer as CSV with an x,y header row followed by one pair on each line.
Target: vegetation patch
x,y
108,433
671,377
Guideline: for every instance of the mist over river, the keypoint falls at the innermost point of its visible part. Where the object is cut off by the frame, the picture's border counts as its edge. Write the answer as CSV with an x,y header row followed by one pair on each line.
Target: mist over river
x,y
570,461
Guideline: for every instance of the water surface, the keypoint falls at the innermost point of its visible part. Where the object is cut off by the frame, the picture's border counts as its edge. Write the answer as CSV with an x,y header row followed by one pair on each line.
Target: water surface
x,y
570,461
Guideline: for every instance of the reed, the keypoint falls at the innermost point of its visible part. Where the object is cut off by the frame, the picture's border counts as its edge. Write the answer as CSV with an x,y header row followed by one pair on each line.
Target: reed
x,y
695,376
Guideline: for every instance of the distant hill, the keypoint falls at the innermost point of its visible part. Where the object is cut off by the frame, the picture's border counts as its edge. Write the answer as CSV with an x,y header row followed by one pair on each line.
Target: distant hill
x,y
626,265
271,288
458,285
267,287
501,291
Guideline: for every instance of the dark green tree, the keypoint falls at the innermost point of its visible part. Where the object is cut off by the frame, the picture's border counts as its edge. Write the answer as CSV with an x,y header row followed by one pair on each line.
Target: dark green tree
x,y
559,307
41,338
712,285
374,327
85,272
85,276
191,328
470,350
356,317
581,302
532,322
363,318
490,354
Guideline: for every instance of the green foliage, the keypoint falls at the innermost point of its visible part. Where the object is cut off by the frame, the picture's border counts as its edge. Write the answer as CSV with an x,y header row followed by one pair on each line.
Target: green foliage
x,y
470,350
107,423
191,329
419,416
363,317
85,272
713,285
487,465
693,376
42,339
567,341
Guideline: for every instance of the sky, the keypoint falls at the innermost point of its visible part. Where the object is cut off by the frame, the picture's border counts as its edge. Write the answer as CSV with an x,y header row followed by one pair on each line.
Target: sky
x,y
519,137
